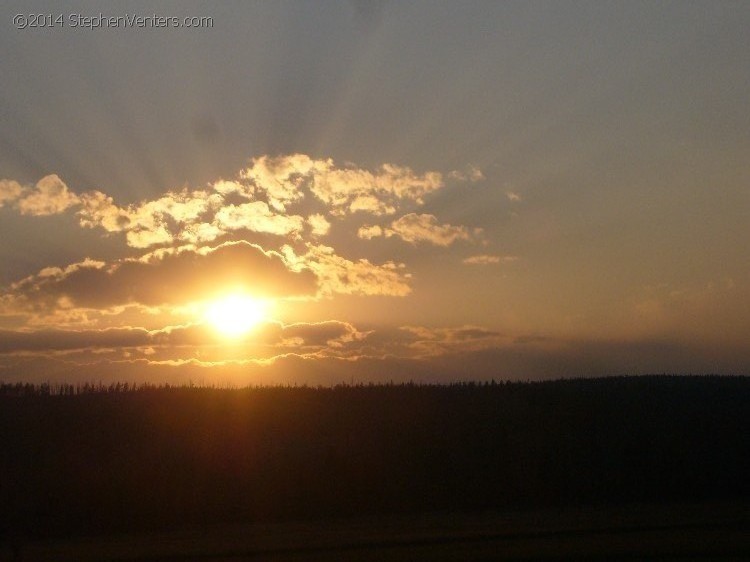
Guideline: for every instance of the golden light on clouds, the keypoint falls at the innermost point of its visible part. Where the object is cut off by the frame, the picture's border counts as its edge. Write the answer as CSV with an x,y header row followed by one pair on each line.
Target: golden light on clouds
x,y
236,314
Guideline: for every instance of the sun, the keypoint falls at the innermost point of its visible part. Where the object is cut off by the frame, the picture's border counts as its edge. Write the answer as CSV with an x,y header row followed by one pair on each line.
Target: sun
x,y
235,315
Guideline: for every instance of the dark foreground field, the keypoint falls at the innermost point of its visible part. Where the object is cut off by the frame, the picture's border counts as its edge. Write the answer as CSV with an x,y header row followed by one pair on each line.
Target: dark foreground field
x,y
589,469
637,532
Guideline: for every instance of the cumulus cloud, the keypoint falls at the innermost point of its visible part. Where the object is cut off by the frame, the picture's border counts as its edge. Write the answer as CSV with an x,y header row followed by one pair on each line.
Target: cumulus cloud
x,y
145,237
99,209
337,274
283,179
10,191
319,225
486,259
150,223
200,233
49,196
513,196
368,232
258,200
354,189
414,228
369,204
257,216
229,187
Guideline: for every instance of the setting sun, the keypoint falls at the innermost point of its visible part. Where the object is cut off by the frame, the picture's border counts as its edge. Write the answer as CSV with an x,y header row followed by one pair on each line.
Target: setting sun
x,y
236,314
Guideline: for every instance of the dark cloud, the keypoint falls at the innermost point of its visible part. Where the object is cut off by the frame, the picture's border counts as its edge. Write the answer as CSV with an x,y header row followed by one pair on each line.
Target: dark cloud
x,y
511,362
188,338
57,340
167,277
473,333
323,333
335,351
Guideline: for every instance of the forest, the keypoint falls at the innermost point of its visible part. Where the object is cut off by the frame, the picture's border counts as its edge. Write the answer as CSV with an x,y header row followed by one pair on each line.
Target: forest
x,y
107,459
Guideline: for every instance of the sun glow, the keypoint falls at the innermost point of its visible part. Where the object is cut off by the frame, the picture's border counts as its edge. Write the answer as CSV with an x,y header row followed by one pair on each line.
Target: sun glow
x,y
236,315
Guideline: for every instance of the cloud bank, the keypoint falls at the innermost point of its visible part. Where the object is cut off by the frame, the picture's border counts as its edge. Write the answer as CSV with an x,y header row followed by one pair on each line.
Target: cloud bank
x,y
160,278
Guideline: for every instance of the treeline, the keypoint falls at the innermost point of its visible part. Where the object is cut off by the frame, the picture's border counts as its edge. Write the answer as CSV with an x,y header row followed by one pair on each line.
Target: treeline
x,y
103,459
68,389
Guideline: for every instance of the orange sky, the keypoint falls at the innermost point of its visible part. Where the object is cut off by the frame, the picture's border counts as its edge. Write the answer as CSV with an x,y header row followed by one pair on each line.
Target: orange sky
x,y
403,192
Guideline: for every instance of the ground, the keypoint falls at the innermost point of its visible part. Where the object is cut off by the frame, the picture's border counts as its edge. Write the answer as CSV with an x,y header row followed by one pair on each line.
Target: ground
x,y
719,531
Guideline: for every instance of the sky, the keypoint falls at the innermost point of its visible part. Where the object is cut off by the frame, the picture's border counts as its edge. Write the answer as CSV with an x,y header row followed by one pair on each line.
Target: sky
x,y
327,192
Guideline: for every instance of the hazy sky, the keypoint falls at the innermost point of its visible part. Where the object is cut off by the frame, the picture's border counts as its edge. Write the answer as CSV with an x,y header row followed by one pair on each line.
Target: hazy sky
x,y
361,191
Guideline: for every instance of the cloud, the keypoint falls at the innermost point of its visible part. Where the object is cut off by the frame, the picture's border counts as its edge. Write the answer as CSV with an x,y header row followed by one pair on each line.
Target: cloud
x,y
370,204
486,259
317,352
332,352
284,178
427,342
200,232
230,187
150,223
179,276
99,209
12,341
164,277
10,191
414,228
513,196
370,232
49,196
472,174
319,225
316,340
146,237
183,342
293,197
258,200
354,189
192,216
337,274
257,217
331,333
